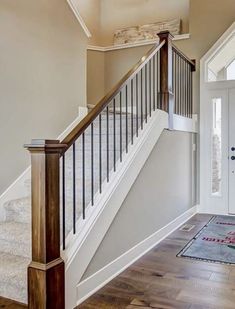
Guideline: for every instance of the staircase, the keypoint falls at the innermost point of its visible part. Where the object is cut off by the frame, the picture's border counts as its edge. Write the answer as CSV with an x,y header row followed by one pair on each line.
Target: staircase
x,y
69,177
15,231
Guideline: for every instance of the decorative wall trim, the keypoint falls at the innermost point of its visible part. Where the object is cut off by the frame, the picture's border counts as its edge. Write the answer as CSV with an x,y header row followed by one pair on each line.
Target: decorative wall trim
x,y
75,10
18,188
146,32
124,46
92,284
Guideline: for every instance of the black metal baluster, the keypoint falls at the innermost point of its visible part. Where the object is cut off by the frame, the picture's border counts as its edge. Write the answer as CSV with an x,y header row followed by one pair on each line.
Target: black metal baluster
x,y
190,115
175,88
141,102
184,71
178,83
107,141
63,201
180,86
173,77
146,94
114,135
191,93
126,119
100,153
74,188
154,82
158,81
150,87
137,104
92,164
120,126
185,89
83,178
132,112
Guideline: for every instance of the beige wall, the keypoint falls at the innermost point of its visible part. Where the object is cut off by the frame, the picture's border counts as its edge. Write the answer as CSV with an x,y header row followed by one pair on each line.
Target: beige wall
x,y
126,58
124,13
43,77
161,193
95,76
106,69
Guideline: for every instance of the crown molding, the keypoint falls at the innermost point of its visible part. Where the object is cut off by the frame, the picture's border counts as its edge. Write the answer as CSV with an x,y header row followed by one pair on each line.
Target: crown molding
x,y
79,17
131,45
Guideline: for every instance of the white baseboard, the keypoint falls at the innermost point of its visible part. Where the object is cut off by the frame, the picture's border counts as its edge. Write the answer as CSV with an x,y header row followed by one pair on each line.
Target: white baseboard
x,y
95,282
18,189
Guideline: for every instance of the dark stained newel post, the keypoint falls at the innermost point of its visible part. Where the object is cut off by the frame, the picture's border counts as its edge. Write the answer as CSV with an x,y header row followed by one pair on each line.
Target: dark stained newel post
x,y
46,279
166,75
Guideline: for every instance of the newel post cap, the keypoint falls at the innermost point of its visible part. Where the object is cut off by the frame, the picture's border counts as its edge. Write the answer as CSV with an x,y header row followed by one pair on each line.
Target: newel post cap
x,y
165,35
45,145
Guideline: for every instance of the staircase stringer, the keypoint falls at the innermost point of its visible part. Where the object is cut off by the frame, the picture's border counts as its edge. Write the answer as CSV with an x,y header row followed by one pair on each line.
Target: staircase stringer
x,y
82,246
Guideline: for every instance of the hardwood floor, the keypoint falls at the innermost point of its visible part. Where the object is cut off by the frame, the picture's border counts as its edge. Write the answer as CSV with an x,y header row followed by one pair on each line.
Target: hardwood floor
x,y
9,304
162,280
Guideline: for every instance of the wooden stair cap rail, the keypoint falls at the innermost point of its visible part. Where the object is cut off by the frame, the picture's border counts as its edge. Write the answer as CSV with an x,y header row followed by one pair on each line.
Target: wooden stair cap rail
x,y
43,144
94,113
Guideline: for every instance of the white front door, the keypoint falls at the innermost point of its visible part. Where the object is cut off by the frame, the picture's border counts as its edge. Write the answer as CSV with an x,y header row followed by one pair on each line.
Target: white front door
x,y
231,151
217,180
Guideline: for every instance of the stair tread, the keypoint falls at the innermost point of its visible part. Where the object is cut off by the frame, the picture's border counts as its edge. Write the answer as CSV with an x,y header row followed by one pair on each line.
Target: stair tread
x,y
15,232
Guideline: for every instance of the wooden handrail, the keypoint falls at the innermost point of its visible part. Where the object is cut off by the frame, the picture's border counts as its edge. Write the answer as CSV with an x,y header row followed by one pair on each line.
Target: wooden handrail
x,y
182,55
94,113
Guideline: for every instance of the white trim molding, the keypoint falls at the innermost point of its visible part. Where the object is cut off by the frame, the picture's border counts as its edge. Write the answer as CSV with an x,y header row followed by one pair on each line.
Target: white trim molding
x,y
92,284
131,45
74,8
185,124
222,41
19,188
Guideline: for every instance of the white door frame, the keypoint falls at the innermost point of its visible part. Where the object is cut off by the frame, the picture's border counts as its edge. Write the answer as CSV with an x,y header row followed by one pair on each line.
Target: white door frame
x,y
206,91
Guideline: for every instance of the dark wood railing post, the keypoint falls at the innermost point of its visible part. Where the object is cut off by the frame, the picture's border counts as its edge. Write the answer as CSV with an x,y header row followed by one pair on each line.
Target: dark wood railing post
x,y
166,75
46,279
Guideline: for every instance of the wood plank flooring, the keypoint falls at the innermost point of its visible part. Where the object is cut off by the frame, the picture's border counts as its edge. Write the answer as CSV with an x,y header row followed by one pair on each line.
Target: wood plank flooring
x,y
9,304
162,280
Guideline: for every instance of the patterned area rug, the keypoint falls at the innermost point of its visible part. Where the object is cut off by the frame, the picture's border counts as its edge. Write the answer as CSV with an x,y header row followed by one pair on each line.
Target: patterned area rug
x,y
214,243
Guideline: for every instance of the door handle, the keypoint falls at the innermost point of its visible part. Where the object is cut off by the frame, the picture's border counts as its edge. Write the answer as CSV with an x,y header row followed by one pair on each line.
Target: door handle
x,y
233,158
233,148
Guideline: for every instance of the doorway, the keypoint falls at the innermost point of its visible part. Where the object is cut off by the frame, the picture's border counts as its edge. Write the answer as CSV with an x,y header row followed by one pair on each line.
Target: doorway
x,y
217,127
